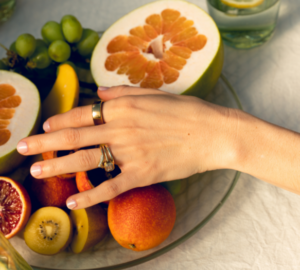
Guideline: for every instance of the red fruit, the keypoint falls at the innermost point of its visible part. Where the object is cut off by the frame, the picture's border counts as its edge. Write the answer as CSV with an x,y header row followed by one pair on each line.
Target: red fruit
x,y
15,207
51,191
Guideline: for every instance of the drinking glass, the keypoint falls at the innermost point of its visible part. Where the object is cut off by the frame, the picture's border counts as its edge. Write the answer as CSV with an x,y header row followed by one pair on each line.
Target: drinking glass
x,y
244,27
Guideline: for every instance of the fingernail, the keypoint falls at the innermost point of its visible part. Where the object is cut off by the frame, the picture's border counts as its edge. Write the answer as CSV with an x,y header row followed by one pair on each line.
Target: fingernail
x,y
36,170
102,88
71,204
46,126
22,147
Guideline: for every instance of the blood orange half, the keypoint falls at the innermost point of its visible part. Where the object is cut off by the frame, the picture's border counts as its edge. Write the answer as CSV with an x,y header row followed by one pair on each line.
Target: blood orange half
x,y
15,207
169,45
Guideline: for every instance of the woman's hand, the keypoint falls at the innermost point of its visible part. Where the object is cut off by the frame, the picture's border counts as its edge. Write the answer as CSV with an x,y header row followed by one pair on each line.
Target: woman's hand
x,y
153,136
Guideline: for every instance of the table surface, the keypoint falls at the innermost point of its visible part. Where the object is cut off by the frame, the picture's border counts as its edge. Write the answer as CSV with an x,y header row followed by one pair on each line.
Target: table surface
x,y
257,228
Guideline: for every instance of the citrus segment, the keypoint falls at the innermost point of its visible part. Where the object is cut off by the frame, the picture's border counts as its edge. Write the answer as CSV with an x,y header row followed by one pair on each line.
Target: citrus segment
x,y
6,90
156,22
171,41
8,100
15,207
169,16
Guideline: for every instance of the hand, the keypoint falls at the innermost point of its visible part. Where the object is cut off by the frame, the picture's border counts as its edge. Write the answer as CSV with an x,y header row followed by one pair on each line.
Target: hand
x,y
154,136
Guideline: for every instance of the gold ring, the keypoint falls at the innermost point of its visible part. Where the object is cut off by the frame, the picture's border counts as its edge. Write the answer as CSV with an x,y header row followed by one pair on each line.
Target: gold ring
x,y
97,112
107,160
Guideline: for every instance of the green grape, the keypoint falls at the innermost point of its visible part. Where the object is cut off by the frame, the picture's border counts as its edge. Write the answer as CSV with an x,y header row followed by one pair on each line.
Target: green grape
x,y
41,42
52,31
3,66
25,45
87,43
59,51
40,58
12,47
71,28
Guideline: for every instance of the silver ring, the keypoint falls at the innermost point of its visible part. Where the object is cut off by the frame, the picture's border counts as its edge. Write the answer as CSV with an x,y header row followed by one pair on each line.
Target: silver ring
x,y
107,161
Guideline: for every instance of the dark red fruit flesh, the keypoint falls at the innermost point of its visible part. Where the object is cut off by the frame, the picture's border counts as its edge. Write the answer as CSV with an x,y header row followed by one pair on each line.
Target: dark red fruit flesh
x,y
10,207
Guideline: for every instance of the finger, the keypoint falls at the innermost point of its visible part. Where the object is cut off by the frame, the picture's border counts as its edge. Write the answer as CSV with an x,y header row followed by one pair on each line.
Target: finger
x,y
77,117
124,90
104,192
65,139
83,160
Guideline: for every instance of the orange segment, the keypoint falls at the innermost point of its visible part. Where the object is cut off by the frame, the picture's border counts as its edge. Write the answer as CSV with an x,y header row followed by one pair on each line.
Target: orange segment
x,y
174,60
169,16
113,61
185,34
180,25
138,42
150,31
170,74
195,43
4,123
137,69
156,22
4,136
139,32
181,51
126,65
154,77
120,44
6,90
10,102
6,113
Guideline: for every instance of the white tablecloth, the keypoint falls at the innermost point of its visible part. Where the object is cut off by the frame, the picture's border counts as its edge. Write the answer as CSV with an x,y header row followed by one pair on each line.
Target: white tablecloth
x,y
258,226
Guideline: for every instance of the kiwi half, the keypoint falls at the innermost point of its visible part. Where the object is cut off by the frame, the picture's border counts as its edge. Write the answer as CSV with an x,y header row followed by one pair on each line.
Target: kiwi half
x,y
48,231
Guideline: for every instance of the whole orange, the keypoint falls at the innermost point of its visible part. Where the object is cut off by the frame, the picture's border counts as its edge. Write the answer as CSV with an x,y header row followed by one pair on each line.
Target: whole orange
x,y
142,218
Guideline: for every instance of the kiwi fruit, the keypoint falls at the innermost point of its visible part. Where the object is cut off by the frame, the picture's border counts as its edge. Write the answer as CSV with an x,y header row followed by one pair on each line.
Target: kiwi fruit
x,y
48,231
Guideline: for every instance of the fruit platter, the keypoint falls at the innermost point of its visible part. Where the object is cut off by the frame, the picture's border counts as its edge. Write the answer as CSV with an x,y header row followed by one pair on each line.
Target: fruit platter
x,y
58,66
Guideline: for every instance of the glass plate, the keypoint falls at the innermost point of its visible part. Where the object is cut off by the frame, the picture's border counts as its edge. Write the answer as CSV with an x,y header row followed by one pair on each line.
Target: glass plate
x,y
199,199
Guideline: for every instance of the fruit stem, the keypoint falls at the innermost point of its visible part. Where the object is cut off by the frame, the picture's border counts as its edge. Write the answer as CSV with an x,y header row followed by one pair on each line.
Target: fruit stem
x,y
132,246
1,45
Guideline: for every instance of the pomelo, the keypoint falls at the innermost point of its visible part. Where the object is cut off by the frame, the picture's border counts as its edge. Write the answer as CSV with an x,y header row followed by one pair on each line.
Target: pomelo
x,y
170,45
19,116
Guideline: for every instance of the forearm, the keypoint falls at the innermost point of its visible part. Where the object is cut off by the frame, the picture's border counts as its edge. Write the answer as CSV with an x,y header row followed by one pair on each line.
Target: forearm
x,y
268,152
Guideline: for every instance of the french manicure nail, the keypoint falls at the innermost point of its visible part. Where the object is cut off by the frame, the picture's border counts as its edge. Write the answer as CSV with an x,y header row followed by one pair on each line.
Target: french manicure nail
x,y
36,170
46,126
102,88
71,204
22,147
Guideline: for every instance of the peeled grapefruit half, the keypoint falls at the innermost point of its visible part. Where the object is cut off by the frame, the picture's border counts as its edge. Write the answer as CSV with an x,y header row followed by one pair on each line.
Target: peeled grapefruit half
x,y
19,116
15,207
170,45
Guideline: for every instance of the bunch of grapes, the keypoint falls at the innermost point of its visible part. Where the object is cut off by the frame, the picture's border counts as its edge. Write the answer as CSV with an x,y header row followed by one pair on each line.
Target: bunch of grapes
x,y
61,42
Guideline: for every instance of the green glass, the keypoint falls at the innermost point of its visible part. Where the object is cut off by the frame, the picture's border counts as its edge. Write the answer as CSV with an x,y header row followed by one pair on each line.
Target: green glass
x,y
10,259
6,9
245,28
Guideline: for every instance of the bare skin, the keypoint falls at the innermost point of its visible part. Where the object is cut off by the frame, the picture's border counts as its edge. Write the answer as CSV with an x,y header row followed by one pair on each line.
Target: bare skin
x,y
156,136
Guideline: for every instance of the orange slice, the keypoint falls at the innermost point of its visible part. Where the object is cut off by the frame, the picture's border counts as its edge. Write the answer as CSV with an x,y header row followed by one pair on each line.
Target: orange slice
x,y
166,44
15,207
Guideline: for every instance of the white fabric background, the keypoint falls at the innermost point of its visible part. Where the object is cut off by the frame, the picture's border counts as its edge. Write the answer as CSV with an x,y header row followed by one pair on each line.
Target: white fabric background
x,y
258,227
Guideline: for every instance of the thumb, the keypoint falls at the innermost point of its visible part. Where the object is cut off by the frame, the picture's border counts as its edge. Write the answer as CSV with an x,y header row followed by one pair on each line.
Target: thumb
x,y
104,192
107,93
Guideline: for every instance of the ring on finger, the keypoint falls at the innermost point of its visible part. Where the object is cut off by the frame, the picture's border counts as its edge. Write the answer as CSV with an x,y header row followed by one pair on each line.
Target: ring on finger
x,y
106,160
97,112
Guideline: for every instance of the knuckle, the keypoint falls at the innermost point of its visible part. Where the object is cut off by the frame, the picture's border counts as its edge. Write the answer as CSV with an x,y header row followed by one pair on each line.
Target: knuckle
x,y
111,189
71,136
76,116
88,199
86,160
